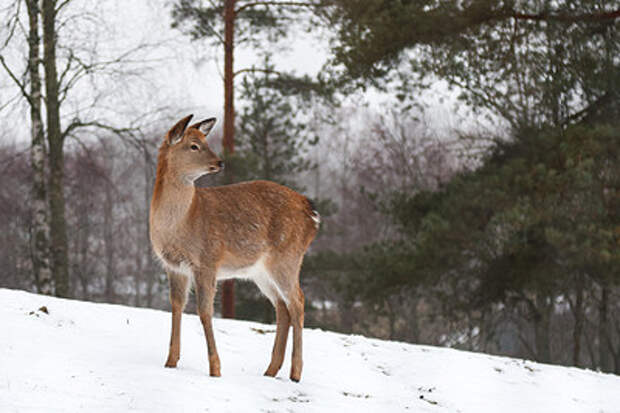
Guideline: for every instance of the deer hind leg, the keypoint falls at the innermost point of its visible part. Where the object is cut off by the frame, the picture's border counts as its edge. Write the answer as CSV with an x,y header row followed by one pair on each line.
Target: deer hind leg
x,y
205,292
179,286
264,282
296,311
286,282
283,322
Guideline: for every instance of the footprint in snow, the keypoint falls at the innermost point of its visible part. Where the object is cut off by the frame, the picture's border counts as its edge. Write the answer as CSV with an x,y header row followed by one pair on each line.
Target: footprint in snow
x,y
261,331
347,342
296,397
383,370
357,395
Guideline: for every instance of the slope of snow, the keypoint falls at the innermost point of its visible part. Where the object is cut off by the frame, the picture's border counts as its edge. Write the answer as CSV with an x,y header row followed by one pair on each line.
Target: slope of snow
x,y
96,357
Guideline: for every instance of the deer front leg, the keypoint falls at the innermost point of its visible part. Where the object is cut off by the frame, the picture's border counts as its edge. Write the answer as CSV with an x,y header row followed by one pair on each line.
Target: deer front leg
x,y
205,292
178,297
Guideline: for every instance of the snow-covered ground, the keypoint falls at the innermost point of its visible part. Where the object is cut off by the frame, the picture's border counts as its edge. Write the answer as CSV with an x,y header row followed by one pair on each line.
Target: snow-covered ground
x,y
96,357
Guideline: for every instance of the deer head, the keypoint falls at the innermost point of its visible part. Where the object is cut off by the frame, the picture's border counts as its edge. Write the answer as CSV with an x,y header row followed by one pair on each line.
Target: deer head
x,y
188,155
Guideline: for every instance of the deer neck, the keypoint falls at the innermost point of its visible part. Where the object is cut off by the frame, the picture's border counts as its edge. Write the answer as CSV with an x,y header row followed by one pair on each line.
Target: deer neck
x,y
172,198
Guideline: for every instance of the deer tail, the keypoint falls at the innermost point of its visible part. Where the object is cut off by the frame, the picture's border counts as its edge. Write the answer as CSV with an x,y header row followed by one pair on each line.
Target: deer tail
x,y
313,213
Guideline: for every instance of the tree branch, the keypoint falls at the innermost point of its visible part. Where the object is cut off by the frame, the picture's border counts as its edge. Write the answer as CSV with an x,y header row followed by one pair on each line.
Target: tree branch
x,y
488,101
61,5
13,23
83,68
19,84
65,71
77,123
215,33
257,70
275,3
9,102
567,18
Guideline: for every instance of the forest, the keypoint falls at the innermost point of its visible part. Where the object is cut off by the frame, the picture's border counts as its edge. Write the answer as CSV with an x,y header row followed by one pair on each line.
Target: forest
x,y
492,227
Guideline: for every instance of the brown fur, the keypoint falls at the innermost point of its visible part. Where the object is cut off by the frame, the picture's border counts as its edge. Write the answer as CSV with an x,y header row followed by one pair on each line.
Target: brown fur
x,y
211,232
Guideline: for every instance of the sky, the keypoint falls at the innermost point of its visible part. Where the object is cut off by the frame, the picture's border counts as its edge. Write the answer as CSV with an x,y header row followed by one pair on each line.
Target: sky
x,y
170,77
176,73
193,68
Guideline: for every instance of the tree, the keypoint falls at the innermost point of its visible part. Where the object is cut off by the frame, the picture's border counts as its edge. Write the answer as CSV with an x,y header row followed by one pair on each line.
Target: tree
x,y
535,223
360,263
76,63
272,143
511,234
40,227
532,63
55,139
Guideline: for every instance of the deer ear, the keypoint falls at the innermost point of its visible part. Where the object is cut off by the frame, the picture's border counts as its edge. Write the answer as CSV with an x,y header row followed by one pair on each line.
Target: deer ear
x,y
204,126
175,134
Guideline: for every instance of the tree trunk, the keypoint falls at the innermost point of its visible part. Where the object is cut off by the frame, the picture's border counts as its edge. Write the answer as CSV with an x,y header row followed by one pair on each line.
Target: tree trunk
x,y
542,323
228,287
346,316
413,333
578,313
148,184
143,234
108,240
58,225
392,312
40,227
603,325
229,103
82,235
137,279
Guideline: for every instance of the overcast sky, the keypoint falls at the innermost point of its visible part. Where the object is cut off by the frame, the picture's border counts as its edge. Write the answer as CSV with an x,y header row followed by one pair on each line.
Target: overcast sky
x,y
173,77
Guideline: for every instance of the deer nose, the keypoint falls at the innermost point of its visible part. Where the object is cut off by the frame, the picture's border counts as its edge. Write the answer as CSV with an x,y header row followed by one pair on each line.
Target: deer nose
x,y
220,164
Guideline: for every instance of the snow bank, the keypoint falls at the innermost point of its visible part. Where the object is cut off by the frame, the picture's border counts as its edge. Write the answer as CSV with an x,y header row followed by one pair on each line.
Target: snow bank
x,y
95,357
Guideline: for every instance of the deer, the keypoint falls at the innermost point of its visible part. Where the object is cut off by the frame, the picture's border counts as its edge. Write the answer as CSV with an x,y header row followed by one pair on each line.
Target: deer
x,y
257,230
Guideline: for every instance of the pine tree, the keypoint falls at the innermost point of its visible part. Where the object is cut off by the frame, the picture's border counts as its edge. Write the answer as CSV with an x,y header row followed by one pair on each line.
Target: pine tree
x,y
532,63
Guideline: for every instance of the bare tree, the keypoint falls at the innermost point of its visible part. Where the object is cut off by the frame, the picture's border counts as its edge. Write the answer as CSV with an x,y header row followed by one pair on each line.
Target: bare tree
x,y
62,75
40,227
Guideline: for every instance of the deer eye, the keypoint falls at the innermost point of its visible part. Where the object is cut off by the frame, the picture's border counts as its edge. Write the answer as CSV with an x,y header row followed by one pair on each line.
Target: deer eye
x,y
194,147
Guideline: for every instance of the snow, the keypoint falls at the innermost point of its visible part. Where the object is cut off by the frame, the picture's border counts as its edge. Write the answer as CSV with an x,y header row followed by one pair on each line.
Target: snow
x,y
109,358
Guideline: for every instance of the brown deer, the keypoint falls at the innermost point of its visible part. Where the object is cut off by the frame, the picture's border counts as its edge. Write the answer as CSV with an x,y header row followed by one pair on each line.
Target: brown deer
x,y
257,230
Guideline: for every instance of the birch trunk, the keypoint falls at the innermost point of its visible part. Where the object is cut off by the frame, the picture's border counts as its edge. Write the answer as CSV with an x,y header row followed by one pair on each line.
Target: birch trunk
x,y
40,225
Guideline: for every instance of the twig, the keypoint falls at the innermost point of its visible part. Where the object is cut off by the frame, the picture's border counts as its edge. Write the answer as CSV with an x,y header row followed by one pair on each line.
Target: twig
x,y
21,86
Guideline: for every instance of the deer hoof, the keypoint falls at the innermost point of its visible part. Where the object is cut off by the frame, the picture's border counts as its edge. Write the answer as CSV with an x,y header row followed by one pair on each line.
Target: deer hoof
x,y
215,373
271,371
295,376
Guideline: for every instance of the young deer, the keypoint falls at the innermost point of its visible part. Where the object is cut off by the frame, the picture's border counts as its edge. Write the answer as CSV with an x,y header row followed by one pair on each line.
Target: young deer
x,y
257,230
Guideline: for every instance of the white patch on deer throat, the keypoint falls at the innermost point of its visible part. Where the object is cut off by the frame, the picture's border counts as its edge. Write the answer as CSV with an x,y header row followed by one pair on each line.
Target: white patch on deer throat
x,y
183,268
